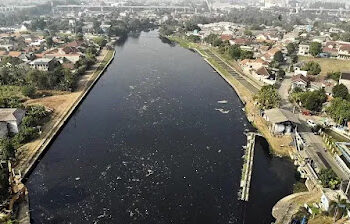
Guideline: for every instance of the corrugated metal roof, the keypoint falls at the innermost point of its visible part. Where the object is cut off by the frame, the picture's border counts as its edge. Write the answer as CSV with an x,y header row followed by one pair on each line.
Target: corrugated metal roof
x,y
10,114
277,115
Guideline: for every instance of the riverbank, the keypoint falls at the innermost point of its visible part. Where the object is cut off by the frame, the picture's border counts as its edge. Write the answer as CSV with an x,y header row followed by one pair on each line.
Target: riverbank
x,y
280,146
63,106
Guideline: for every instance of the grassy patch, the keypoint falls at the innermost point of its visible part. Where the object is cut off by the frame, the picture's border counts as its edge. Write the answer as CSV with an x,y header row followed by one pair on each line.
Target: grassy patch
x,y
299,187
329,65
337,137
11,91
181,41
104,62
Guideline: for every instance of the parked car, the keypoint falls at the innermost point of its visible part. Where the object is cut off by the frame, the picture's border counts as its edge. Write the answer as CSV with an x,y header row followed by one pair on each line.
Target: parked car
x,y
311,123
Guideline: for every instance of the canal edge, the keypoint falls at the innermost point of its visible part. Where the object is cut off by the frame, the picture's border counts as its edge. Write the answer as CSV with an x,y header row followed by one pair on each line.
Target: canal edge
x,y
41,148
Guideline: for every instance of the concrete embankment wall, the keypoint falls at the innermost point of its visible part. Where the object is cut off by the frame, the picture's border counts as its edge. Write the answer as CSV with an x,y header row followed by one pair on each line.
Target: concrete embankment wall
x,y
27,169
228,81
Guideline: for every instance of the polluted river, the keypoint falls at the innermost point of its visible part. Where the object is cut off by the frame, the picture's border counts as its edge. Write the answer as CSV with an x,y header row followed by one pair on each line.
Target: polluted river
x,y
157,140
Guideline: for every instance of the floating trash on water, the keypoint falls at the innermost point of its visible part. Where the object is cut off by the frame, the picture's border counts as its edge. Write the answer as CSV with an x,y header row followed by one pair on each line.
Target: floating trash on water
x,y
77,178
223,101
222,110
149,173
219,150
132,87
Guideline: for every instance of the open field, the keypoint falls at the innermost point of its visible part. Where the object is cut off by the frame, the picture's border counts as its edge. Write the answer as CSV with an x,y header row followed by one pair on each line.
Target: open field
x,y
329,65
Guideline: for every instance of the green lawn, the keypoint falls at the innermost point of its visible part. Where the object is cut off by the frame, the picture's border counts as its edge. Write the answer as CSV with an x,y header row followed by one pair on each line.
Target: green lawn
x,y
329,65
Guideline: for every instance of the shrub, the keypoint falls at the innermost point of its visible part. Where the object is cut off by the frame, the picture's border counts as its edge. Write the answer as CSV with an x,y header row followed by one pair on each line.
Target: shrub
x,y
29,91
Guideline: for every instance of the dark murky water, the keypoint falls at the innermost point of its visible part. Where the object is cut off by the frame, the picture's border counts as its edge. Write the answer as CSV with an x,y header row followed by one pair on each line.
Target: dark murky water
x,y
148,145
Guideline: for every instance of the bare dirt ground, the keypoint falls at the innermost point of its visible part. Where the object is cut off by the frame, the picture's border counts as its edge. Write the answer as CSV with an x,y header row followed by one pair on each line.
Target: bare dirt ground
x,y
60,104
288,206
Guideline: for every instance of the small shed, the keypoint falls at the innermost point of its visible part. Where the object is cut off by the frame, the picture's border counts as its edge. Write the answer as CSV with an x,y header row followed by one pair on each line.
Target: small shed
x,y
281,121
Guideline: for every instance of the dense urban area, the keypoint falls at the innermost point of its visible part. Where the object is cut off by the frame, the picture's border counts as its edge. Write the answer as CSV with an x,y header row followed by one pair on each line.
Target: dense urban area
x,y
289,62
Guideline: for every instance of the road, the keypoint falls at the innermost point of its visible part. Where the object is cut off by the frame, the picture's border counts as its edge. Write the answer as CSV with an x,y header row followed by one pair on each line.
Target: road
x,y
315,148
254,88
284,92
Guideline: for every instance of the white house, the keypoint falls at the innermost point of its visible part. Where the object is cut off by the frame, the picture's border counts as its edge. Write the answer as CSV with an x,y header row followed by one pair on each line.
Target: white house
x,y
10,119
299,71
304,50
299,81
42,64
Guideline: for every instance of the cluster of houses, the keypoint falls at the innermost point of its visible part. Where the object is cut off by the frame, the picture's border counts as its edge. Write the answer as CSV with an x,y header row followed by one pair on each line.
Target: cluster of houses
x,y
33,51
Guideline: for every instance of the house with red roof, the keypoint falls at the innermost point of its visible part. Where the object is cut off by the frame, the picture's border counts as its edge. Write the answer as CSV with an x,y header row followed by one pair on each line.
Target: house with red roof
x,y
299,81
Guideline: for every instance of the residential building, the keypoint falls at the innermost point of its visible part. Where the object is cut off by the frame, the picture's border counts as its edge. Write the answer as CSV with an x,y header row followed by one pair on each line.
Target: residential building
x,y
299,81
10,119
304,50
43,64
281,121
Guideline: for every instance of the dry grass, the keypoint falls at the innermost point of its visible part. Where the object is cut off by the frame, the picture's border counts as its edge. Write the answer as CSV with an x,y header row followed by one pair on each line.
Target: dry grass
x,y
329,65
321,220
60,104
278,145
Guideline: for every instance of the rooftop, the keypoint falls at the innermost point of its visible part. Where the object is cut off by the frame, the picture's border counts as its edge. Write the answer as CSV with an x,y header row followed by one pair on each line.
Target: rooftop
x,y
277,115
10,114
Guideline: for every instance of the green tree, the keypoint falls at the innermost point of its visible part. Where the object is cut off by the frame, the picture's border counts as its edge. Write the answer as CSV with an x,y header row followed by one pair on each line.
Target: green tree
x,y
291,48
281,73
311,100
312,67
100,41
334,75
80,37
329,179
217,42
193,38
4,183
268,97
248,33
96,25
339,110
315,49
25,135
7,150
191,26
340,91
49,41
345,37
315,100
211,38
235,52
294,58
29,91
246,55
278,57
